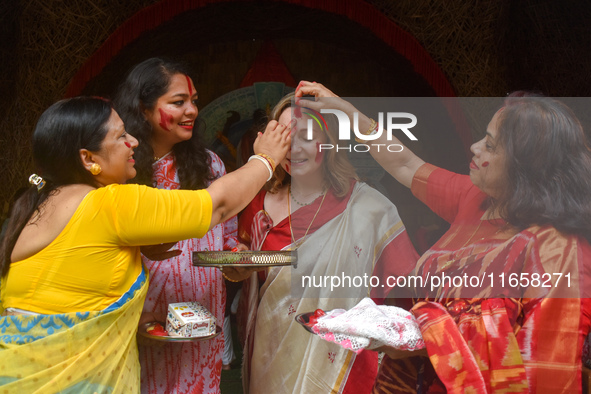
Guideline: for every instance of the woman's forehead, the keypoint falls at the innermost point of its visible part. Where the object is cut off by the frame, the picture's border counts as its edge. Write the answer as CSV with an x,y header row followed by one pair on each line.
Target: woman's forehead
x,y
115,124
492,129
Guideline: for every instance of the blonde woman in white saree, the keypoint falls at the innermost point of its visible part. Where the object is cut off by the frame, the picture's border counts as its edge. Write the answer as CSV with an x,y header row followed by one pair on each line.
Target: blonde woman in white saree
x,y
73,283
339,226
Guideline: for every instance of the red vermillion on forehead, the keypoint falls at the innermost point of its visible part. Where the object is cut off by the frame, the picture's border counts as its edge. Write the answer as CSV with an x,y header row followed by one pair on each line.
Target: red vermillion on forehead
x,y
189,85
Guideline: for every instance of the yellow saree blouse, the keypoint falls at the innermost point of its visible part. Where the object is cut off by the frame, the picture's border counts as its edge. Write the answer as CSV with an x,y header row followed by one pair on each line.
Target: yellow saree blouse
x,y
95,259
88,287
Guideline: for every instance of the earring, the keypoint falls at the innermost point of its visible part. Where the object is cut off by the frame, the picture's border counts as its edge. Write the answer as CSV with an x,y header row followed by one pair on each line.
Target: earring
x,y
95,169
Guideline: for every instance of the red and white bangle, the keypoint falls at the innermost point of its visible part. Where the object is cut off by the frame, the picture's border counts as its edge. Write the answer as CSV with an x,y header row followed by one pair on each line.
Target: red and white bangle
x,y
269,159
265,162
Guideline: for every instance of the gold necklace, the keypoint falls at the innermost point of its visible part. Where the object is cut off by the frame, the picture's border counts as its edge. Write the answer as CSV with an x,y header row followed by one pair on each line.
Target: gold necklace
x,y
309,226
452,255
156,158
302,204
485,217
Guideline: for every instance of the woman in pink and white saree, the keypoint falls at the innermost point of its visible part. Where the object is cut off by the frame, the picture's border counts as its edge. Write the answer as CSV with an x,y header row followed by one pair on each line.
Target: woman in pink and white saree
x,y
157,103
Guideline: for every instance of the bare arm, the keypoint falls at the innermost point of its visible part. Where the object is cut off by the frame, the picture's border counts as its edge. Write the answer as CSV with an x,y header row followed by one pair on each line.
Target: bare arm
x,y
232,192
401,165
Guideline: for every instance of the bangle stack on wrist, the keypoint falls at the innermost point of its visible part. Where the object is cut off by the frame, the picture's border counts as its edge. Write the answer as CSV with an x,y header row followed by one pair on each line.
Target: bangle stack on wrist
x,y
373,126
267,161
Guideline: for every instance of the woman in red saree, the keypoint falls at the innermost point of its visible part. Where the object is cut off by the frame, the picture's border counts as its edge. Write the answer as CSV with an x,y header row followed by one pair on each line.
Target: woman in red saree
x,y
339,226
524,210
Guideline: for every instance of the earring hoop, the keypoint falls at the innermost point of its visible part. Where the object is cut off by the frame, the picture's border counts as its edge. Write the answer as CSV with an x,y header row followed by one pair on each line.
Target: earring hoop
x,y
95,169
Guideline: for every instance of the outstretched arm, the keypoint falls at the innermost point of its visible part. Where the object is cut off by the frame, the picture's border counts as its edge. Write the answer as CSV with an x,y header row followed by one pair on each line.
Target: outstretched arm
x,y
232,192
401,165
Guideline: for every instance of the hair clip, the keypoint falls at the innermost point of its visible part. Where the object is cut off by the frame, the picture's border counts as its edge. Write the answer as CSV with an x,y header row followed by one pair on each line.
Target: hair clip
x,y
36,180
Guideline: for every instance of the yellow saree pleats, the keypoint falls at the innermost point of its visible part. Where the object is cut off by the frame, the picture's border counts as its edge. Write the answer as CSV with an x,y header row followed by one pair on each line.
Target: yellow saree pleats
x,y
78,352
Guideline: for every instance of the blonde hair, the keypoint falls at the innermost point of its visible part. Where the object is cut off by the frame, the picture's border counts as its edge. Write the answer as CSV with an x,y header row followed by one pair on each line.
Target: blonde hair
x,y
337,171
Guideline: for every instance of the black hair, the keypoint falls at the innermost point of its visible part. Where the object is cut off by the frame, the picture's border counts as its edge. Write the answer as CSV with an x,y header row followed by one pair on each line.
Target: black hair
x,y
61,131
140,91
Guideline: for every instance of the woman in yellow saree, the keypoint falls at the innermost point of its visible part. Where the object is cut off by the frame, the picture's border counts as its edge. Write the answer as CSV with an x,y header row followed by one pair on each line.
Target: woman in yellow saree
x,y
73,284
74,352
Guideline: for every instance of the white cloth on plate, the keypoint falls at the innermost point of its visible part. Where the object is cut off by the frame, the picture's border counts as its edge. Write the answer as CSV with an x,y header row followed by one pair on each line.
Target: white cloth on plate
x,y
370,326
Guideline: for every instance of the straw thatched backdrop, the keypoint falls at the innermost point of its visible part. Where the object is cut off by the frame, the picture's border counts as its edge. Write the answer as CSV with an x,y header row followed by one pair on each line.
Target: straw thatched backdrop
x,y
485,48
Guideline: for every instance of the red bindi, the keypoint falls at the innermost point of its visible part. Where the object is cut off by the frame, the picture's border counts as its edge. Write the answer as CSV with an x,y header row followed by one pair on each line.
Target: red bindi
x,y
165,120
485,164
189,84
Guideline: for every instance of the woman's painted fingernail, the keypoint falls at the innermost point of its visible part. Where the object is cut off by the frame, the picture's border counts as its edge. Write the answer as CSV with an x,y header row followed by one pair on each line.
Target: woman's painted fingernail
x,y
234,249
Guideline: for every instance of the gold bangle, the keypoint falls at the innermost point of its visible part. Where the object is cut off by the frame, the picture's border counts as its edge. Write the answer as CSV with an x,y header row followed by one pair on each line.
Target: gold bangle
x,y
269,159
228,278
372,126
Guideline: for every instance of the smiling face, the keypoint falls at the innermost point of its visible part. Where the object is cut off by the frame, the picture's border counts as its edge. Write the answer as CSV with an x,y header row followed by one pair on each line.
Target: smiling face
x,y
173,115
116,154
303,160
487,169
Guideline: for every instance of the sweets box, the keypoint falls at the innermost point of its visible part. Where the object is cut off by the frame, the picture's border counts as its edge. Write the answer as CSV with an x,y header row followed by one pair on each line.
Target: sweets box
x,y
189,319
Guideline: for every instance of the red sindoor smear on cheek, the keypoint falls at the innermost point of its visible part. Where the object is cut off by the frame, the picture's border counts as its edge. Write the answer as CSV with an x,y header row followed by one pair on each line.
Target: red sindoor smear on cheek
x,y
165,119
287,169
189,84
127,144
485,164
319,153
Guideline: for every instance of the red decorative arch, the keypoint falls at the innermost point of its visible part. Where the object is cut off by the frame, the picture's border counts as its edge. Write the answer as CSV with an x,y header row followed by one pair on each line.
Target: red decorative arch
x,y
358,11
